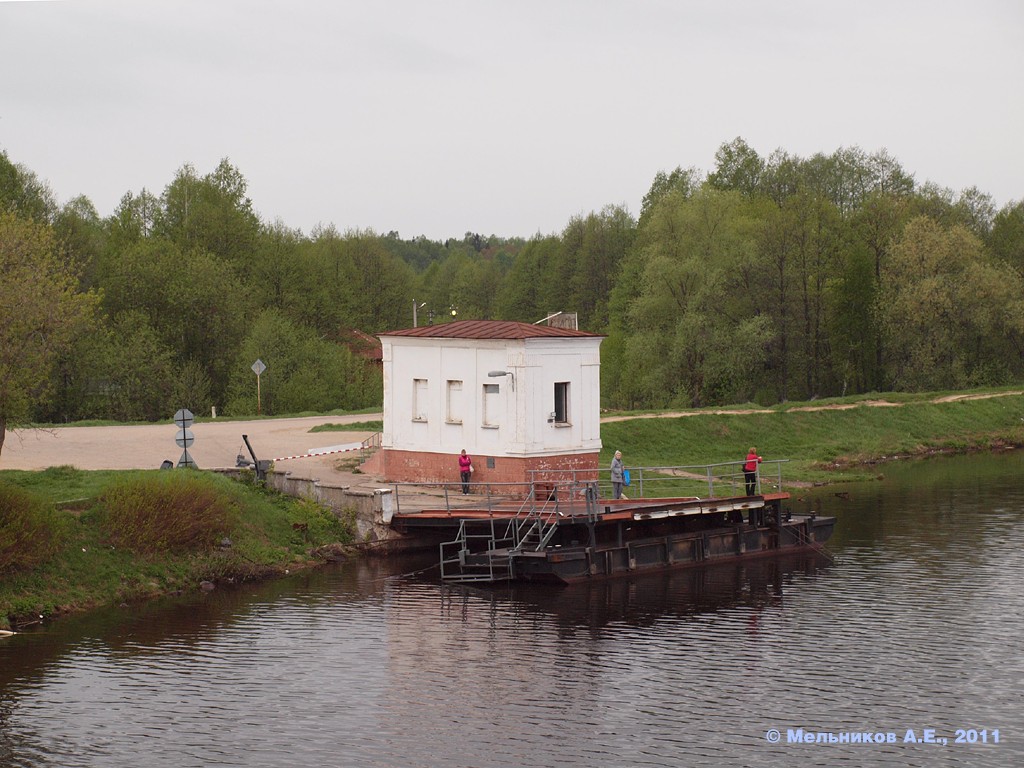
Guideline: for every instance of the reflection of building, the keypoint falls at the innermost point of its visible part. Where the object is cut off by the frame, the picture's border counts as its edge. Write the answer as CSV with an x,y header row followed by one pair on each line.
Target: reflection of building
x,y
517,397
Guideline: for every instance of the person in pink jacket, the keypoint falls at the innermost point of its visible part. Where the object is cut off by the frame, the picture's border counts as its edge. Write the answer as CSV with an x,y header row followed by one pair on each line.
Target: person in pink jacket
x,y
465,470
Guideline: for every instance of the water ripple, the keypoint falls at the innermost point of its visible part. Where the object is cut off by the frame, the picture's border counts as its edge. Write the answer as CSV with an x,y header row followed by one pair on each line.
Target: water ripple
x,y
916,625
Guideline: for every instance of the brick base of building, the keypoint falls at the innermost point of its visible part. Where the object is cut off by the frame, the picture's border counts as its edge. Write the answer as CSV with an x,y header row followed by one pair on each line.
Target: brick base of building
x,y
424,467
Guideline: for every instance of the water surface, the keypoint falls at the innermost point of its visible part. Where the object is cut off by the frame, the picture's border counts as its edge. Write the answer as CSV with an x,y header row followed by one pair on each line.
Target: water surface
x,y
915,625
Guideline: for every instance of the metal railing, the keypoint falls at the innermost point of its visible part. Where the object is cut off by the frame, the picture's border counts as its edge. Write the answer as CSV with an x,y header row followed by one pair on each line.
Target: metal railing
x,y
449,496
570,487
708,480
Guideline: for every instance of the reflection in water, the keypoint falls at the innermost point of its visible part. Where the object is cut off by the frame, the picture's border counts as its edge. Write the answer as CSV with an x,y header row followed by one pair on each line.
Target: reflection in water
x,y
642,600
915,625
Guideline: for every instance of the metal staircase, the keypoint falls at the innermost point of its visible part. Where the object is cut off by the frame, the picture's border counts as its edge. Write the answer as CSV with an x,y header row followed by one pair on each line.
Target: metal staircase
x,y
490,556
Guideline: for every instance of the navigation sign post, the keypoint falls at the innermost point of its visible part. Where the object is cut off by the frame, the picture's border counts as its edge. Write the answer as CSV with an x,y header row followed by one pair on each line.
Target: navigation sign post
x,y
183,419
258,367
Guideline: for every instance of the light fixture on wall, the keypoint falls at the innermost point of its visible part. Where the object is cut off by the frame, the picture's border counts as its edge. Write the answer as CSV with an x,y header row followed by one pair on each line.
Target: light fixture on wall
x,y
498,374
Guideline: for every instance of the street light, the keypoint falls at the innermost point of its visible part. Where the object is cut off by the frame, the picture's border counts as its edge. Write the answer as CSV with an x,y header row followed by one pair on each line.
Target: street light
x,y
499,374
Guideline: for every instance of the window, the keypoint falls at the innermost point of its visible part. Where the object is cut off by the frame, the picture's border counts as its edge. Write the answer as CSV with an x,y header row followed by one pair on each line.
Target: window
x,y
561,402
453,405
492,406
419,399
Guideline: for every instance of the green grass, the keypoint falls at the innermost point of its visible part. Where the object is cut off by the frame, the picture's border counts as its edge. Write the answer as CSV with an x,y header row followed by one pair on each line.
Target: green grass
x,y
100,559
64,485
821,445
357,426
270,532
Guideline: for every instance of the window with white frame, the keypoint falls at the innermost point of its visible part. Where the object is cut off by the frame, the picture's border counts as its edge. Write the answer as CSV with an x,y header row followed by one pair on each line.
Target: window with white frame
x,y
419,399
492,406
561,402
453,402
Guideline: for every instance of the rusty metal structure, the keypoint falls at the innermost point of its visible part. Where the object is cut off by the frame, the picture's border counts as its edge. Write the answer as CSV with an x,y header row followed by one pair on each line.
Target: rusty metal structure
x,y
560,529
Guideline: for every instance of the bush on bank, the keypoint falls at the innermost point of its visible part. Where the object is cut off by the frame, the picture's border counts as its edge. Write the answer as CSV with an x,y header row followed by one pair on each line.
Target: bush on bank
x,y
30,531
144,534
168,511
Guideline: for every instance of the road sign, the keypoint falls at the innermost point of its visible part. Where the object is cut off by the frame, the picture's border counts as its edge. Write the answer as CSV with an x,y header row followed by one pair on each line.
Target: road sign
x,y
185,438
183,419
258,367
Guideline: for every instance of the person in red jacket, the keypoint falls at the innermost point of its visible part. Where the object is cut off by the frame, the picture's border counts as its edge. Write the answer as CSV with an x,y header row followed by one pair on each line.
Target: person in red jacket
x,y
465,470
750,471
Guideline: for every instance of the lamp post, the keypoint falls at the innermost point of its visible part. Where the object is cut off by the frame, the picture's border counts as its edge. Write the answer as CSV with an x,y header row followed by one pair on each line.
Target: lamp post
x,y
498,374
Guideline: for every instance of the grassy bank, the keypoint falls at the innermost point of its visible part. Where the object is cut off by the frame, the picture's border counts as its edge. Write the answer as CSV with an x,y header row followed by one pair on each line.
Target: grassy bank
x,y
64,548
839,441
71,540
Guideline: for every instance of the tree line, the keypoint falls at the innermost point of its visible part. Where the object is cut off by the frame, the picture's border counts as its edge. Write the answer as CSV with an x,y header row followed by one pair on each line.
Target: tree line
x,y
764,279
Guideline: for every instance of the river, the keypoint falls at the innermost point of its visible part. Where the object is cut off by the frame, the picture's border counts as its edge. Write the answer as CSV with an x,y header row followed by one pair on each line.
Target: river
x,y
910,636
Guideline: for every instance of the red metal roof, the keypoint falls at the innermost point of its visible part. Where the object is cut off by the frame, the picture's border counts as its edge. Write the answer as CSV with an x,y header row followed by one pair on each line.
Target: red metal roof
x,y
490,329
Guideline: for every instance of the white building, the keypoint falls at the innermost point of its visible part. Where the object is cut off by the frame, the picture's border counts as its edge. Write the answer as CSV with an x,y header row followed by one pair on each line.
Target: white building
x,y
516,397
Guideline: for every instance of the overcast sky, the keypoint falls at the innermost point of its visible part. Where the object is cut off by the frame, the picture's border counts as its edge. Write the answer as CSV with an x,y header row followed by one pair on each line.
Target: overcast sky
x,y
439,117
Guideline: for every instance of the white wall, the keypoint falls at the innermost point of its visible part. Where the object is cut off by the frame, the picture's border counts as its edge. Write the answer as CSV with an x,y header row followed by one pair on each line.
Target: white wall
x,y
525,400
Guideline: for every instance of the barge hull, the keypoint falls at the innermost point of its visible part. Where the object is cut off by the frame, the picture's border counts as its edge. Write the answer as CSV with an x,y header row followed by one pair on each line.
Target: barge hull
x,y
650,554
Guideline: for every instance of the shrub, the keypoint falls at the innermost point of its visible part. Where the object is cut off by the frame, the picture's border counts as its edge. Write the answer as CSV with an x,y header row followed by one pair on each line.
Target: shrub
x,y
30,531
177,511
320,524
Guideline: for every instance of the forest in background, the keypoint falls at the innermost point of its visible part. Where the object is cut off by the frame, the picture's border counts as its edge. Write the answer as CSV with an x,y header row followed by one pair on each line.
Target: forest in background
x,y
763,280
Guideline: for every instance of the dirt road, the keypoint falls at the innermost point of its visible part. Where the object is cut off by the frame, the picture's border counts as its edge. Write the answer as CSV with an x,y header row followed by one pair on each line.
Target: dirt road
x,y
217,444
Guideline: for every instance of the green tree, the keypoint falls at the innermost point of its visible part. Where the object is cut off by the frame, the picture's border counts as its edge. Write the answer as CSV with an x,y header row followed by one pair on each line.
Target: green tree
x,y
852,326
464,282
304,372
597,244
82,235
380,294
693,335
23,193
951,316
41,312
521,294
136,369
849,176
132,220
275,271
1007,237
738,168
210,213
685,182
193,300
799,245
